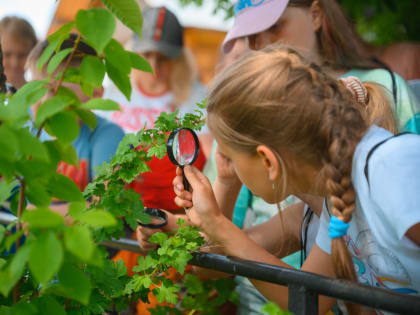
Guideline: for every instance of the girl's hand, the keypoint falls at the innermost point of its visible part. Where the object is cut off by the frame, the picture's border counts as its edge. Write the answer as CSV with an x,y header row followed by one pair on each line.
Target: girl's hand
x,y
225,171
203,209
143,233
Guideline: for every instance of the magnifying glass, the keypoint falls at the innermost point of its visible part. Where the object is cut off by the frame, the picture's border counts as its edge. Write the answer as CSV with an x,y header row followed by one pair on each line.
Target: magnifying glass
x,y
158,217
183,147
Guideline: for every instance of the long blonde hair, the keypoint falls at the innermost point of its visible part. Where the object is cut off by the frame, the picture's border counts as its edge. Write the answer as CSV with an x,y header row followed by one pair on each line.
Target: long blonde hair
x,y
277,98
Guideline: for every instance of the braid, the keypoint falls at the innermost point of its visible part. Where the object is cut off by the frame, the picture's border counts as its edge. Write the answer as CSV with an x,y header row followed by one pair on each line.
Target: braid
x,y
344,128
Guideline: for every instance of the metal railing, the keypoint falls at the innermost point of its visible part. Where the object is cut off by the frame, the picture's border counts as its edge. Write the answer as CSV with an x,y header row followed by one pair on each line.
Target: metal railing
x,y
304,287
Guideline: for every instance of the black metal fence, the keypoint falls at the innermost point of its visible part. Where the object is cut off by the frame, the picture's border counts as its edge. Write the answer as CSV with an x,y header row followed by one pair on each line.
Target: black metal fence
x,y
304,287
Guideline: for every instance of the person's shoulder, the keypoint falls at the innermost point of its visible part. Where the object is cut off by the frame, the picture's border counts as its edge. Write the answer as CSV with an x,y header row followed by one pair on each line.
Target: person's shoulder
x,y
397,151
104,125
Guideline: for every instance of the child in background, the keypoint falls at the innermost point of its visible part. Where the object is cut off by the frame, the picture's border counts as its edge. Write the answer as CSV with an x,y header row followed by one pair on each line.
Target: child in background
x,y
170,87
17,38
93,147
327,148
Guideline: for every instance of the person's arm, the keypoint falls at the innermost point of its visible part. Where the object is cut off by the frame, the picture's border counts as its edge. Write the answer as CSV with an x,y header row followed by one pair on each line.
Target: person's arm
x,y
280,235
207,215
227,185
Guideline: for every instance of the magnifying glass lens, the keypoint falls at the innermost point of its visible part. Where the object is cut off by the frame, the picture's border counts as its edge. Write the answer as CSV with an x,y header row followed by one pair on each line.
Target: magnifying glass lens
x,y
185,147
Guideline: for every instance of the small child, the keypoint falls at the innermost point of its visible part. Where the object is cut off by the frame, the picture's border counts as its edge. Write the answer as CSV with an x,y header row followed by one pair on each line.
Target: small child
x,y
93,147
17,38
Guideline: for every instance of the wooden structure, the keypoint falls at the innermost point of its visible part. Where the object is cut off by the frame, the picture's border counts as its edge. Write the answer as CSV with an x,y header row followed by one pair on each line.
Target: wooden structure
x,y
203,43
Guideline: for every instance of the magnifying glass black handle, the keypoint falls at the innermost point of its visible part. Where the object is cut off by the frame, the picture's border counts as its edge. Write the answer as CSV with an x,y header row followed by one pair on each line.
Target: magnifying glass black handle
x,y
185,180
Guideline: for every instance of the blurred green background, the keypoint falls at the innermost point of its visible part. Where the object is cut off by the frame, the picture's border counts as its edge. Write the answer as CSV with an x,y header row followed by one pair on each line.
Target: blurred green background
x,y
379,22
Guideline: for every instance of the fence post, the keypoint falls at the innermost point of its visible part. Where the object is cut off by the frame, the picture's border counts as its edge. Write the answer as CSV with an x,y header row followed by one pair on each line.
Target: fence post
x,y
302,301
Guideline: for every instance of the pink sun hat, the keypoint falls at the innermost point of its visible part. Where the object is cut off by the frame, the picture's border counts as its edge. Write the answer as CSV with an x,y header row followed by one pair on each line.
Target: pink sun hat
x,y
253,16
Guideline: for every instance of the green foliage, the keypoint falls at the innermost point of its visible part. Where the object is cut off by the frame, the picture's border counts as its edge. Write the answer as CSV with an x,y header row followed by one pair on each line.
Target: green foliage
x,y
46,256
378,22
61,268
128,12
271,308
87,22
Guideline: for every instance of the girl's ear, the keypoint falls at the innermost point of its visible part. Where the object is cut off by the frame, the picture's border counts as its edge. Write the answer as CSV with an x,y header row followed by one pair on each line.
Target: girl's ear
x,y
270,162
317,15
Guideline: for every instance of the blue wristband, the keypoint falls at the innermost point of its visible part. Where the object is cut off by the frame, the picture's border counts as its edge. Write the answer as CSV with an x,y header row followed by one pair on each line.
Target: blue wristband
x,y
337,227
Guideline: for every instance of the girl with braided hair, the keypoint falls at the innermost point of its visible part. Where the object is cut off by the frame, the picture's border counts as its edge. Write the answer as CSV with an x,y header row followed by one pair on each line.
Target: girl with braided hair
x,y
289,128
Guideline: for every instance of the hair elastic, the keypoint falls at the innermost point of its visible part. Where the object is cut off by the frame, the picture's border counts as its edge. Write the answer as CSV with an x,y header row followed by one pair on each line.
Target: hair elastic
x,y
356,88
337,227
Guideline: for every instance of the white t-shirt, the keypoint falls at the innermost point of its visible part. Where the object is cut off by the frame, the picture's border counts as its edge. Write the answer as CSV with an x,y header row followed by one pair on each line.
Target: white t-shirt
x,y
144,108
386,208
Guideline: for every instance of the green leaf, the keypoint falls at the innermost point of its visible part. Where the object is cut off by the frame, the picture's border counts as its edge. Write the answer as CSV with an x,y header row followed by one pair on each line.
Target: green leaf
x,y
69,154
128,12
14,271
181,260
64,126
6,190
78,241
158,238
45,257
53,44
167,293
63,32
19,103
272,308
37,194
48,305
120,79
138,62
144,263
118,57
97,218
74,284
157,150
100,104
64,188
23,308
31,146
59,151
87,88
42,218
92,70
2,232
57,60
76,209
87,22
8,143
87,117
52,107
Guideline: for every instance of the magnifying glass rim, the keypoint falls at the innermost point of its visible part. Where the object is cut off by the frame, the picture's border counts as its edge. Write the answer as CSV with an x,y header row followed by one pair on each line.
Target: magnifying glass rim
x,y
170,142
157,213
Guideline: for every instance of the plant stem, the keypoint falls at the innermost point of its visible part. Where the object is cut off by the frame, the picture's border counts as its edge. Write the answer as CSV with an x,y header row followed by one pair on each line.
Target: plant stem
x,y
192,312
21,205
67,64
60,81
20,209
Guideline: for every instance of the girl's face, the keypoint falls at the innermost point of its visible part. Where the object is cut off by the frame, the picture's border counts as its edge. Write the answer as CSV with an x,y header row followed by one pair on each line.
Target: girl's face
x,y
162,66
253,171
296,27
15,53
